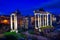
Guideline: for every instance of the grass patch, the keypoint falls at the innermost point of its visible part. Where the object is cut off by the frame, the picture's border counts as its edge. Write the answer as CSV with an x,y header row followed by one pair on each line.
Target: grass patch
x,y
14,35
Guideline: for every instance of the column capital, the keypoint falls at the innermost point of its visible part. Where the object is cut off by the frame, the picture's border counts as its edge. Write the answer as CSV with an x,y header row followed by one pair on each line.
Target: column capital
x,y
35,14
40,14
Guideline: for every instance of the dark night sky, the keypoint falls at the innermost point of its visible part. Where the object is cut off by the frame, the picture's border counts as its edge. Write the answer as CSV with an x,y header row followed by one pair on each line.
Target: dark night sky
x,y
26,7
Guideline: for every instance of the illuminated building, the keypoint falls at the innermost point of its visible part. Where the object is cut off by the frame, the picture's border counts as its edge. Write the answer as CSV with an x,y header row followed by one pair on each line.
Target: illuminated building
x,y
54,18
40,19
4,19
13,17
32,21
44,19
25,22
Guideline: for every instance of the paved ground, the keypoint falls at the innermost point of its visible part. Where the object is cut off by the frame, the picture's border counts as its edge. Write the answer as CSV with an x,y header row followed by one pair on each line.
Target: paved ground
x,y
38,37
1,35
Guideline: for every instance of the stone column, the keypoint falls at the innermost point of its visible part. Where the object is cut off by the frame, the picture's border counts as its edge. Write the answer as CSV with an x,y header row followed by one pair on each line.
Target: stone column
x,y
47,20
35,22
43,20
15,23
50,20
38,21
11,22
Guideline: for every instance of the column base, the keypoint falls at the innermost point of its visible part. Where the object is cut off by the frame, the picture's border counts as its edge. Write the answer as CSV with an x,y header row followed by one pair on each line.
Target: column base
x,y
14,31
36,28
39,30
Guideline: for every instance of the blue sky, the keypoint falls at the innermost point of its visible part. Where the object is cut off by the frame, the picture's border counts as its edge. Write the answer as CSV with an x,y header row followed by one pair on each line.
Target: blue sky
x,y
27,7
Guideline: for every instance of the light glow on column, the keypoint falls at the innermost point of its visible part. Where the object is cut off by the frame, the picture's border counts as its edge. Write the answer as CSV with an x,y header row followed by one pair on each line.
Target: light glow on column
x,y
38,21
47,20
